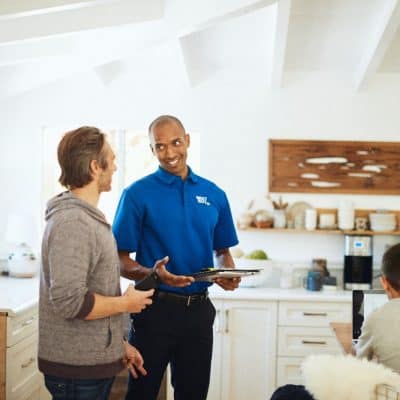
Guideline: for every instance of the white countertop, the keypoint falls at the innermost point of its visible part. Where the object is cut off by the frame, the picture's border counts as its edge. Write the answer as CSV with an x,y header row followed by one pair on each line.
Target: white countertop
x,y
18,294
264,293
298,294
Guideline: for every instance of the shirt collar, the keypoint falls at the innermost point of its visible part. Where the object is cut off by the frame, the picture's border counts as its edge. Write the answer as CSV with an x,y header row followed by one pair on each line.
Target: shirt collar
x,y
168,178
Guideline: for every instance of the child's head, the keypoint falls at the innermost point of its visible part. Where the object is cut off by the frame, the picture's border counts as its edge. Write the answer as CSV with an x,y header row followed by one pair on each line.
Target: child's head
x,y
390,278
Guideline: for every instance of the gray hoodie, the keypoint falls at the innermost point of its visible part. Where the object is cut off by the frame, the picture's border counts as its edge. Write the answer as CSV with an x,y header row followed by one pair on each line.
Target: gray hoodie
x,y
79,258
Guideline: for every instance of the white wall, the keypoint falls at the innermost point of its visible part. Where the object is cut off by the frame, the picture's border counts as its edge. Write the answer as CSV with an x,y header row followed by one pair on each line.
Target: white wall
x,y
235,113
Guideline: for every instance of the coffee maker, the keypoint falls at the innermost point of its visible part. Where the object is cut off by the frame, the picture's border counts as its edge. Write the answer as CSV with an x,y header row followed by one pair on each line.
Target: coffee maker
x,y
357,271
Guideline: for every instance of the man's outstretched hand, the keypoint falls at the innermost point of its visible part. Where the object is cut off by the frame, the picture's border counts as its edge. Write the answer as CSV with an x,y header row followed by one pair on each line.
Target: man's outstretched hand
x,y
168,278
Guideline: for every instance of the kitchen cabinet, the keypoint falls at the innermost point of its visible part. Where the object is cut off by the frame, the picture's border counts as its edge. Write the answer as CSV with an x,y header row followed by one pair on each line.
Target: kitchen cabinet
x,y
244,354
243,364
249,357
303,329
20,378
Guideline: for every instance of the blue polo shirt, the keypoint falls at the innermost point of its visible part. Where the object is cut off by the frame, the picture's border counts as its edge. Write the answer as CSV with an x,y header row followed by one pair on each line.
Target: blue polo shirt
x,y
162,215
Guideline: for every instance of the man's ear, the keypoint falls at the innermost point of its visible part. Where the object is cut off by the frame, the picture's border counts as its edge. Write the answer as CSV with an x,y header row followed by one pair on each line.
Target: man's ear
x,y
386,284
383,281
94,168
187,139
152,149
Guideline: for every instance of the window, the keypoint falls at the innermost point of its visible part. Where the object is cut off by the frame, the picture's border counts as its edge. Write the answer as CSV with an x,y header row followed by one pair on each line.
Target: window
x,y
134,160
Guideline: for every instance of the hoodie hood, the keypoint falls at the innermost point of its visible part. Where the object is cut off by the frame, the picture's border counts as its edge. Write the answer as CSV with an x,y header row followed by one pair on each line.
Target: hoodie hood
x,y
68,200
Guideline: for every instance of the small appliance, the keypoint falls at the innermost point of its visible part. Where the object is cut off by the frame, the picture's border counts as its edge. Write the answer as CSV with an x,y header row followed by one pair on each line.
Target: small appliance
x,y
357,271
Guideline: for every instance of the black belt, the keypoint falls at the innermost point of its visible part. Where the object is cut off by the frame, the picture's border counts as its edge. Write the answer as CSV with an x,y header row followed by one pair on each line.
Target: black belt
x,y
184,299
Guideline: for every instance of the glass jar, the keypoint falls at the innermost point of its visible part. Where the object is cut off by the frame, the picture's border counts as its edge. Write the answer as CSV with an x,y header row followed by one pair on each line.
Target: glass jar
x,y
279,219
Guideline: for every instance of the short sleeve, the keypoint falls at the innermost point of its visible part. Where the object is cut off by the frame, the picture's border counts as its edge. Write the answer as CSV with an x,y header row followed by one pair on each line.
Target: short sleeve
x,y
127,223
224,232
364,348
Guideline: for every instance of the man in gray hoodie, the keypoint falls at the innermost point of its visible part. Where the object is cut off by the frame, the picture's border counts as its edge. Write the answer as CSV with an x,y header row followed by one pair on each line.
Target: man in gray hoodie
x,y
81,346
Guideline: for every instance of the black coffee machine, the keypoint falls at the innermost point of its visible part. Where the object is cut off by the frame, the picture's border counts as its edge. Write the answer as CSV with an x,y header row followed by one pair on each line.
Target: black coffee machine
x,y
357,271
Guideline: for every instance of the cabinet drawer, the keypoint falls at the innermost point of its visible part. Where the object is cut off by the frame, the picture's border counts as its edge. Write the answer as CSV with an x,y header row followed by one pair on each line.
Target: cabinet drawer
x,y
300,342
313,314
289,371
22,325
22,375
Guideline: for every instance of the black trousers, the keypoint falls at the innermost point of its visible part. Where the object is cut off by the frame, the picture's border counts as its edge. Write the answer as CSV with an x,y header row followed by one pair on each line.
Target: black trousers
x,y
167,332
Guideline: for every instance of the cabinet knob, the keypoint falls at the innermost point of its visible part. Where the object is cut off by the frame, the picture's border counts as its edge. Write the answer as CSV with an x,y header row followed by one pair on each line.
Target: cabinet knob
x,y
28,363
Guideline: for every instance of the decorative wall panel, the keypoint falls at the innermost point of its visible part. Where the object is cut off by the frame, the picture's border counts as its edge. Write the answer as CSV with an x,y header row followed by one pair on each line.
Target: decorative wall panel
x,y
326,166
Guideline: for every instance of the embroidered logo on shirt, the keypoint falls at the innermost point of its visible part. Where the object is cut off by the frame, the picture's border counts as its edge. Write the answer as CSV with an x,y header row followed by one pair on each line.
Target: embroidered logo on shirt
x,y
202,200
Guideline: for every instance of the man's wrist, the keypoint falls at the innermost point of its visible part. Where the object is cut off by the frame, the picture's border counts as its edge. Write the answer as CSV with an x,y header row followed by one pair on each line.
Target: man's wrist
x,y
156,276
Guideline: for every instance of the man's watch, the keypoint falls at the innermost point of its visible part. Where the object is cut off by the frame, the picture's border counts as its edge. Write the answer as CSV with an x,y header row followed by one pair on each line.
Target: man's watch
x,y
151,281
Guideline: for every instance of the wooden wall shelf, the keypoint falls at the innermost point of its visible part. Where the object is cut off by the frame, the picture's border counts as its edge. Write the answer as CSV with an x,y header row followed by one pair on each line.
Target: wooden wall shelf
x,y
321,231
358,213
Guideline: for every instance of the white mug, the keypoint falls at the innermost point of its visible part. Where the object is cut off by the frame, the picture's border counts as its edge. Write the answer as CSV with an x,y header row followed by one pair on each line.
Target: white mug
x,y
311,219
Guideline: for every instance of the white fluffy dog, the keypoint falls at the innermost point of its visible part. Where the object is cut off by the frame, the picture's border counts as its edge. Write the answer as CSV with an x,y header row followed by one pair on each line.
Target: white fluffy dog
x,y
329,377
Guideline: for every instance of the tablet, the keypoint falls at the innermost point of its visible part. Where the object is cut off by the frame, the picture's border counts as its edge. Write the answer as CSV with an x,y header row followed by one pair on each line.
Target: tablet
x,y
210,274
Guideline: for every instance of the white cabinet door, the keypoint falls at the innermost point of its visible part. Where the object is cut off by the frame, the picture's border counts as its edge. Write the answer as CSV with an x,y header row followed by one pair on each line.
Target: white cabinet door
x,y
248,350
22,375
214,391
44,393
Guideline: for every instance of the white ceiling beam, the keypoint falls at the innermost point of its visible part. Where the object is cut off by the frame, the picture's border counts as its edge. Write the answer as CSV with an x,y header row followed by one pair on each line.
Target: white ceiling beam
x,y
117,46
280,42
22,8
97,45
220,15
169,28
22,52
183,29
378,45
109,72
100,15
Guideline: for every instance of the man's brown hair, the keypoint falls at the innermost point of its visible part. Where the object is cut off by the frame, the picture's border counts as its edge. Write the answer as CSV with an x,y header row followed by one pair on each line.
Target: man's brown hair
x,y
391,266
75,151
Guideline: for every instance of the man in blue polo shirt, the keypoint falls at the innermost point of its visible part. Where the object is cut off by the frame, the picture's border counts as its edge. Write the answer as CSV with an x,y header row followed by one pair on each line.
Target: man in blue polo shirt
x,y
175,214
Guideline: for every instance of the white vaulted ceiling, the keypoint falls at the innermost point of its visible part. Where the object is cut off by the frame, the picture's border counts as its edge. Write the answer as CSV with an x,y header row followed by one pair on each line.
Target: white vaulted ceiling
x,y
42,41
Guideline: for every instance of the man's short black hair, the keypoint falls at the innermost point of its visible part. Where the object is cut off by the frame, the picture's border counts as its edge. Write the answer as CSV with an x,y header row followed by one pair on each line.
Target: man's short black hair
x,y
391,266
164,119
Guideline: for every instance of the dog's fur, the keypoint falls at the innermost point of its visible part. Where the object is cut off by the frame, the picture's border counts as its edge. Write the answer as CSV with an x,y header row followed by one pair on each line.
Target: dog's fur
x,y
329,377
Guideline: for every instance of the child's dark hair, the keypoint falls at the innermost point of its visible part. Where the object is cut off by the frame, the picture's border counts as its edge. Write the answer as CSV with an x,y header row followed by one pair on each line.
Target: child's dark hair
x,y
391,266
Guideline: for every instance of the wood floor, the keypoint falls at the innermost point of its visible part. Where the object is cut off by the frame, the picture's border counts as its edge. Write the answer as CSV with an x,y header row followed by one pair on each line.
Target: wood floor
x,y
119,387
